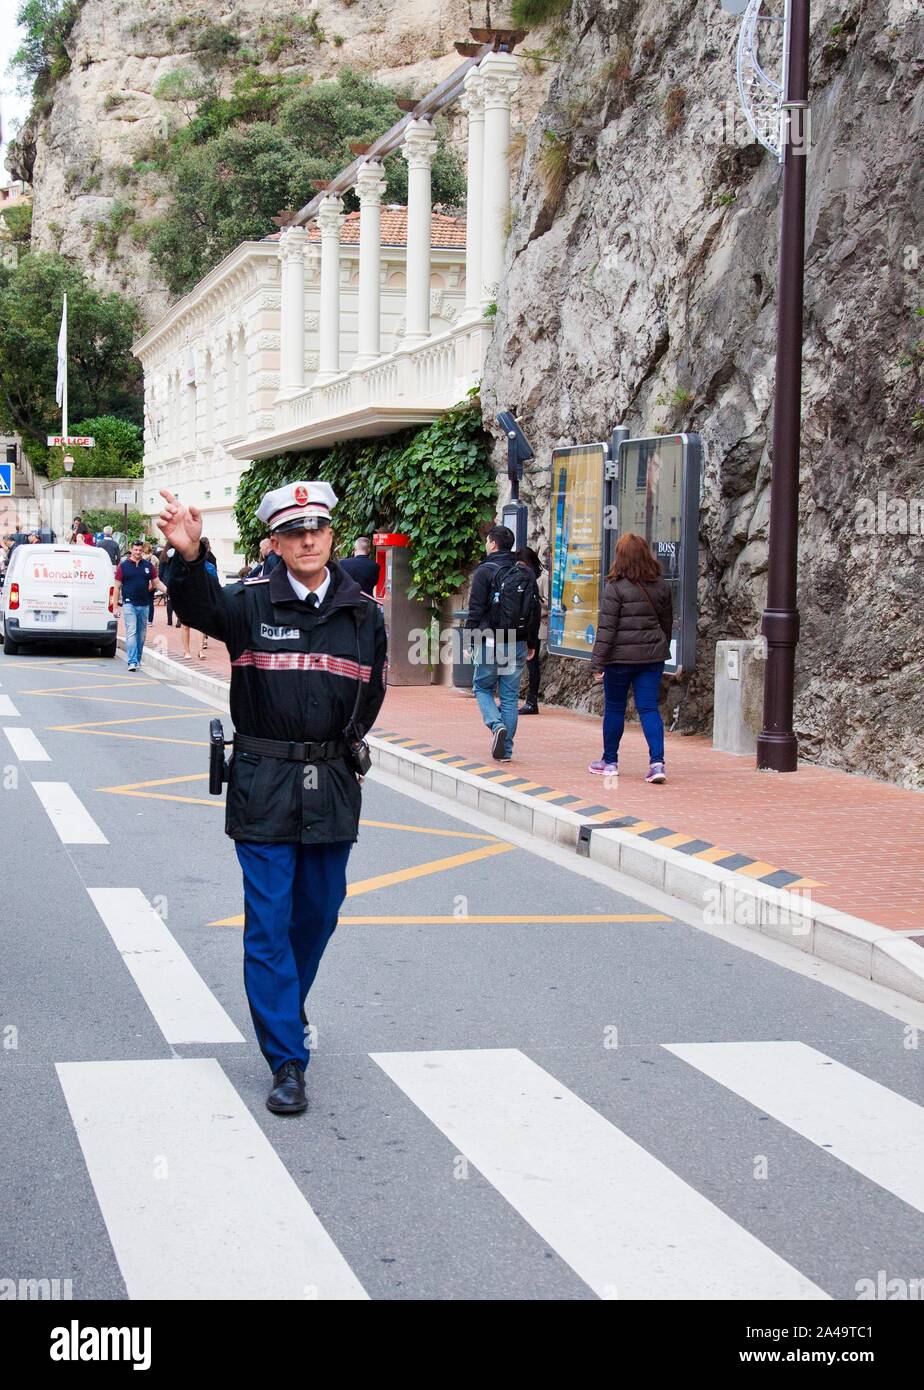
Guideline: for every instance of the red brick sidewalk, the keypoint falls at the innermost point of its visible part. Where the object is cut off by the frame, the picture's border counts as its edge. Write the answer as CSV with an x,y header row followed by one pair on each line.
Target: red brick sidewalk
x,y
862,841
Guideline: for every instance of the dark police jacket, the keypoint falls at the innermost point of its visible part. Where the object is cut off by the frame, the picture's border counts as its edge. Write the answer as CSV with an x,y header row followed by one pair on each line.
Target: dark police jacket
x,y
293,677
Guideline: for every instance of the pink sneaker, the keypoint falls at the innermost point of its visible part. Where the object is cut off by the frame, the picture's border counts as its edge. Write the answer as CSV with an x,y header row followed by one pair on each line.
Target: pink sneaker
x,y
656,773
602,769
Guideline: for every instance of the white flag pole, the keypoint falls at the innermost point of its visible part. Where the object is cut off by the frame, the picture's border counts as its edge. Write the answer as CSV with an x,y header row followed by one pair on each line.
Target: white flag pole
x,y
61,387
64,398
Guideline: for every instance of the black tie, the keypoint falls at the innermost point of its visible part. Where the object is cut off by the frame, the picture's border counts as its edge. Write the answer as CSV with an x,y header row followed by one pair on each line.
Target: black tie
x,y
311,599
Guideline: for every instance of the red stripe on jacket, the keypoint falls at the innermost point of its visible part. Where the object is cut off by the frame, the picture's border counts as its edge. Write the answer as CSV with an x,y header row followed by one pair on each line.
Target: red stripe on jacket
x,y
305,661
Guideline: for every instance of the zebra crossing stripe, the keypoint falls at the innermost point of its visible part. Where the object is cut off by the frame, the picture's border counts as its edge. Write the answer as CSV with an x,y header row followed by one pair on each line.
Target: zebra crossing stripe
x,y
196,1201
185,1008
623,1221
8,708
68,815
26,746
864,1124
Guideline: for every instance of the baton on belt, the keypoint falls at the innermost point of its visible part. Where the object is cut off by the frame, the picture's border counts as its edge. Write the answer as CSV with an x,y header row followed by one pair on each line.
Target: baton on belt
x,y
218,768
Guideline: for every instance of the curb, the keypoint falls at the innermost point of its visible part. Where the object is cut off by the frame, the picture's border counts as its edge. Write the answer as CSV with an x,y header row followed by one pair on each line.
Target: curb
x,y
725,899
862,947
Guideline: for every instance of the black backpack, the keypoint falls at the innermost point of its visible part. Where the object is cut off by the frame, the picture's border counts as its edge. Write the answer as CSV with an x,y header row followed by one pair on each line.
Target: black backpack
x,y
514,599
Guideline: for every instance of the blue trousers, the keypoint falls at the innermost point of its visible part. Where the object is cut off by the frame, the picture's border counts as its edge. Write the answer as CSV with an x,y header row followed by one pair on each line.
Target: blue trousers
x,y
136,626
292,896
645,681
505,676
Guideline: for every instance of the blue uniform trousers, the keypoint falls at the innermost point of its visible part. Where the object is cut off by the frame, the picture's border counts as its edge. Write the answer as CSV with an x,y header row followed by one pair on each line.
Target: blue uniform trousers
x,y
292,895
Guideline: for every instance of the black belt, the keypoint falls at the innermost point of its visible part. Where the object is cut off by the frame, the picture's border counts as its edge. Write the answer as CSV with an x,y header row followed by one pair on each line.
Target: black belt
x,y
291,752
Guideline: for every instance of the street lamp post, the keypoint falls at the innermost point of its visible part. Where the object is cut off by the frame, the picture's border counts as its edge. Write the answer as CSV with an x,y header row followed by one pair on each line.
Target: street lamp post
x,y
777,748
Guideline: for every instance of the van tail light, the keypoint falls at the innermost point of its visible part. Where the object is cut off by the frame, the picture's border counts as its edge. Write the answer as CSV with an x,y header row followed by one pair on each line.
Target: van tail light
x,y
111,598
14,595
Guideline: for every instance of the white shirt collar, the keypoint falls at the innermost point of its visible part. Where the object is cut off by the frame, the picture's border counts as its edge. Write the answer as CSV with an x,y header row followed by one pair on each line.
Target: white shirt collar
x,y
303,591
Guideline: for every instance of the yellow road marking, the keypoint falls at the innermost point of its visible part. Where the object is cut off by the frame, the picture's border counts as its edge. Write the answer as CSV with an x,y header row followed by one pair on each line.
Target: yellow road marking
x,y
427,830
102,685
679,837
434,866
462,921
802,883
158,782
111,700
135,719
108,733
641,827
450,921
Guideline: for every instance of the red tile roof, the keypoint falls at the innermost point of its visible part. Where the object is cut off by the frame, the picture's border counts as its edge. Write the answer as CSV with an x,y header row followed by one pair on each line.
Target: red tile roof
x,y
444,230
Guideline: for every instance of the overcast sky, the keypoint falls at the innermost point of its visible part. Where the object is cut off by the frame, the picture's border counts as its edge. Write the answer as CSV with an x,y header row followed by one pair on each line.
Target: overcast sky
x,y
12,107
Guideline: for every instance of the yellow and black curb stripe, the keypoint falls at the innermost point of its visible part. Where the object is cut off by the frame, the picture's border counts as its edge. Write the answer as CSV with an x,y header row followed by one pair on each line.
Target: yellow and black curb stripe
x,y
606,818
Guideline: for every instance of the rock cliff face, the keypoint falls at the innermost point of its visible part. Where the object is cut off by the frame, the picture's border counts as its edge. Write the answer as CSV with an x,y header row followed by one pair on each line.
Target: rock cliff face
x,y
103,112
642,291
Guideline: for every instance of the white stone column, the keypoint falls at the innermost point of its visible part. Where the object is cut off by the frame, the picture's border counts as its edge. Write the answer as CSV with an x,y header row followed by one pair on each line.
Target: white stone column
x,y
473,104
500,80
330,220
292,245
370,185
418,149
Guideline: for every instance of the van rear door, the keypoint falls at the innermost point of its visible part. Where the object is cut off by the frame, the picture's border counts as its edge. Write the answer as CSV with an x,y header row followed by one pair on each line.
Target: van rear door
x,y
94,577
46,581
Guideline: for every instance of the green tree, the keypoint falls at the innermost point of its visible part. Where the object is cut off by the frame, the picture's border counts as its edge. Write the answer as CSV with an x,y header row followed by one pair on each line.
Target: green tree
x,y
228,181
117,452
42,55
103,377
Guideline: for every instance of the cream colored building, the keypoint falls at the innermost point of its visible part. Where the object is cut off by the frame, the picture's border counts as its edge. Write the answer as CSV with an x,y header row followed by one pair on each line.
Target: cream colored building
x,y
339,326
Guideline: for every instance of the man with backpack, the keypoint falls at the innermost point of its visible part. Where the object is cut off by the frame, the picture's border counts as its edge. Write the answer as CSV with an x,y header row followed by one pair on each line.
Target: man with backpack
x,y
503,611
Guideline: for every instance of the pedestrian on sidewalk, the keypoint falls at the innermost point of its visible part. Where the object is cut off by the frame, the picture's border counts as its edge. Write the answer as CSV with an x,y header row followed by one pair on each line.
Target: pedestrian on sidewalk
x,y
632,644
134,582
308,654
528,556
110,546
361,566
503,612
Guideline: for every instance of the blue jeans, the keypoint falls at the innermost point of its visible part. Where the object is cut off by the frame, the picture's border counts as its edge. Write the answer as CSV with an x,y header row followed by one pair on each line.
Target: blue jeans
x,y
645,681
292,897
136,626
506,677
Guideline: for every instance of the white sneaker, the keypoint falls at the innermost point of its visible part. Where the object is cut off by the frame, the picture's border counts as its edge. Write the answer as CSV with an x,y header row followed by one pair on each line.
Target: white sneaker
x,y
132,667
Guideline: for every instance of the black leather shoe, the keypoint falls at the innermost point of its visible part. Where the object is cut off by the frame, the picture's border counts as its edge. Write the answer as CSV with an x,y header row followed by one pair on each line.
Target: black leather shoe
x,y
528,708
288,1094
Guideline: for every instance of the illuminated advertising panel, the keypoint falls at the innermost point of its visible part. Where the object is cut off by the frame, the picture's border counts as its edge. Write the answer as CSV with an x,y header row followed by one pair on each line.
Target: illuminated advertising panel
x,y
577,548
657,496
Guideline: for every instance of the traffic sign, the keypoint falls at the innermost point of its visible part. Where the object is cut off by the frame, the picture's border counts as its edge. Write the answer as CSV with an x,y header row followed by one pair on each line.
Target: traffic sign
x,y
85,441
6,480
123,495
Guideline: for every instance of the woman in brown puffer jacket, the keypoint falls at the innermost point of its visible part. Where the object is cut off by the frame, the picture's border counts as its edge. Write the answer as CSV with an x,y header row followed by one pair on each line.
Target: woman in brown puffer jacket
x,y
632,644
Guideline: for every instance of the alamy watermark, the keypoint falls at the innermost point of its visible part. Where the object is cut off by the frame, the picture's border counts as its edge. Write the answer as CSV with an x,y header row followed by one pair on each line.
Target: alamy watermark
x,y
888,515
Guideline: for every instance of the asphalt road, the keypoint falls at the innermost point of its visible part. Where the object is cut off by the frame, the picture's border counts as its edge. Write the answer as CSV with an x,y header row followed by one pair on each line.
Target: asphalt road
x,y
526,1085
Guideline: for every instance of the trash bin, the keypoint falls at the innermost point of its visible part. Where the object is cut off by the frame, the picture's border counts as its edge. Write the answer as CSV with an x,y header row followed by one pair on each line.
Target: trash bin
x,y
463,669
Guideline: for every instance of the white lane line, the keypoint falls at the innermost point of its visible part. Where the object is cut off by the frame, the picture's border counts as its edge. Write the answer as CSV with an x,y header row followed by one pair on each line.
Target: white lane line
x,y
865,1125
623,1221
197,1202
185,1008
26,746
68,815
8,708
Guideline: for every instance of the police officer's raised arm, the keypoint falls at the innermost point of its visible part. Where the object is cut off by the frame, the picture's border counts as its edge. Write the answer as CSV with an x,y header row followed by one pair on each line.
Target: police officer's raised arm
x,y
197,597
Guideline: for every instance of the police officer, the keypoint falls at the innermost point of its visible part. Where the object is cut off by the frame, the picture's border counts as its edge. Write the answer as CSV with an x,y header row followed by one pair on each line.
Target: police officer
x,y
308,665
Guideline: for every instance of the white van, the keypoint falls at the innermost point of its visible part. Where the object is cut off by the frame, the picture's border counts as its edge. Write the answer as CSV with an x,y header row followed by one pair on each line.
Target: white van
x,y
59,593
